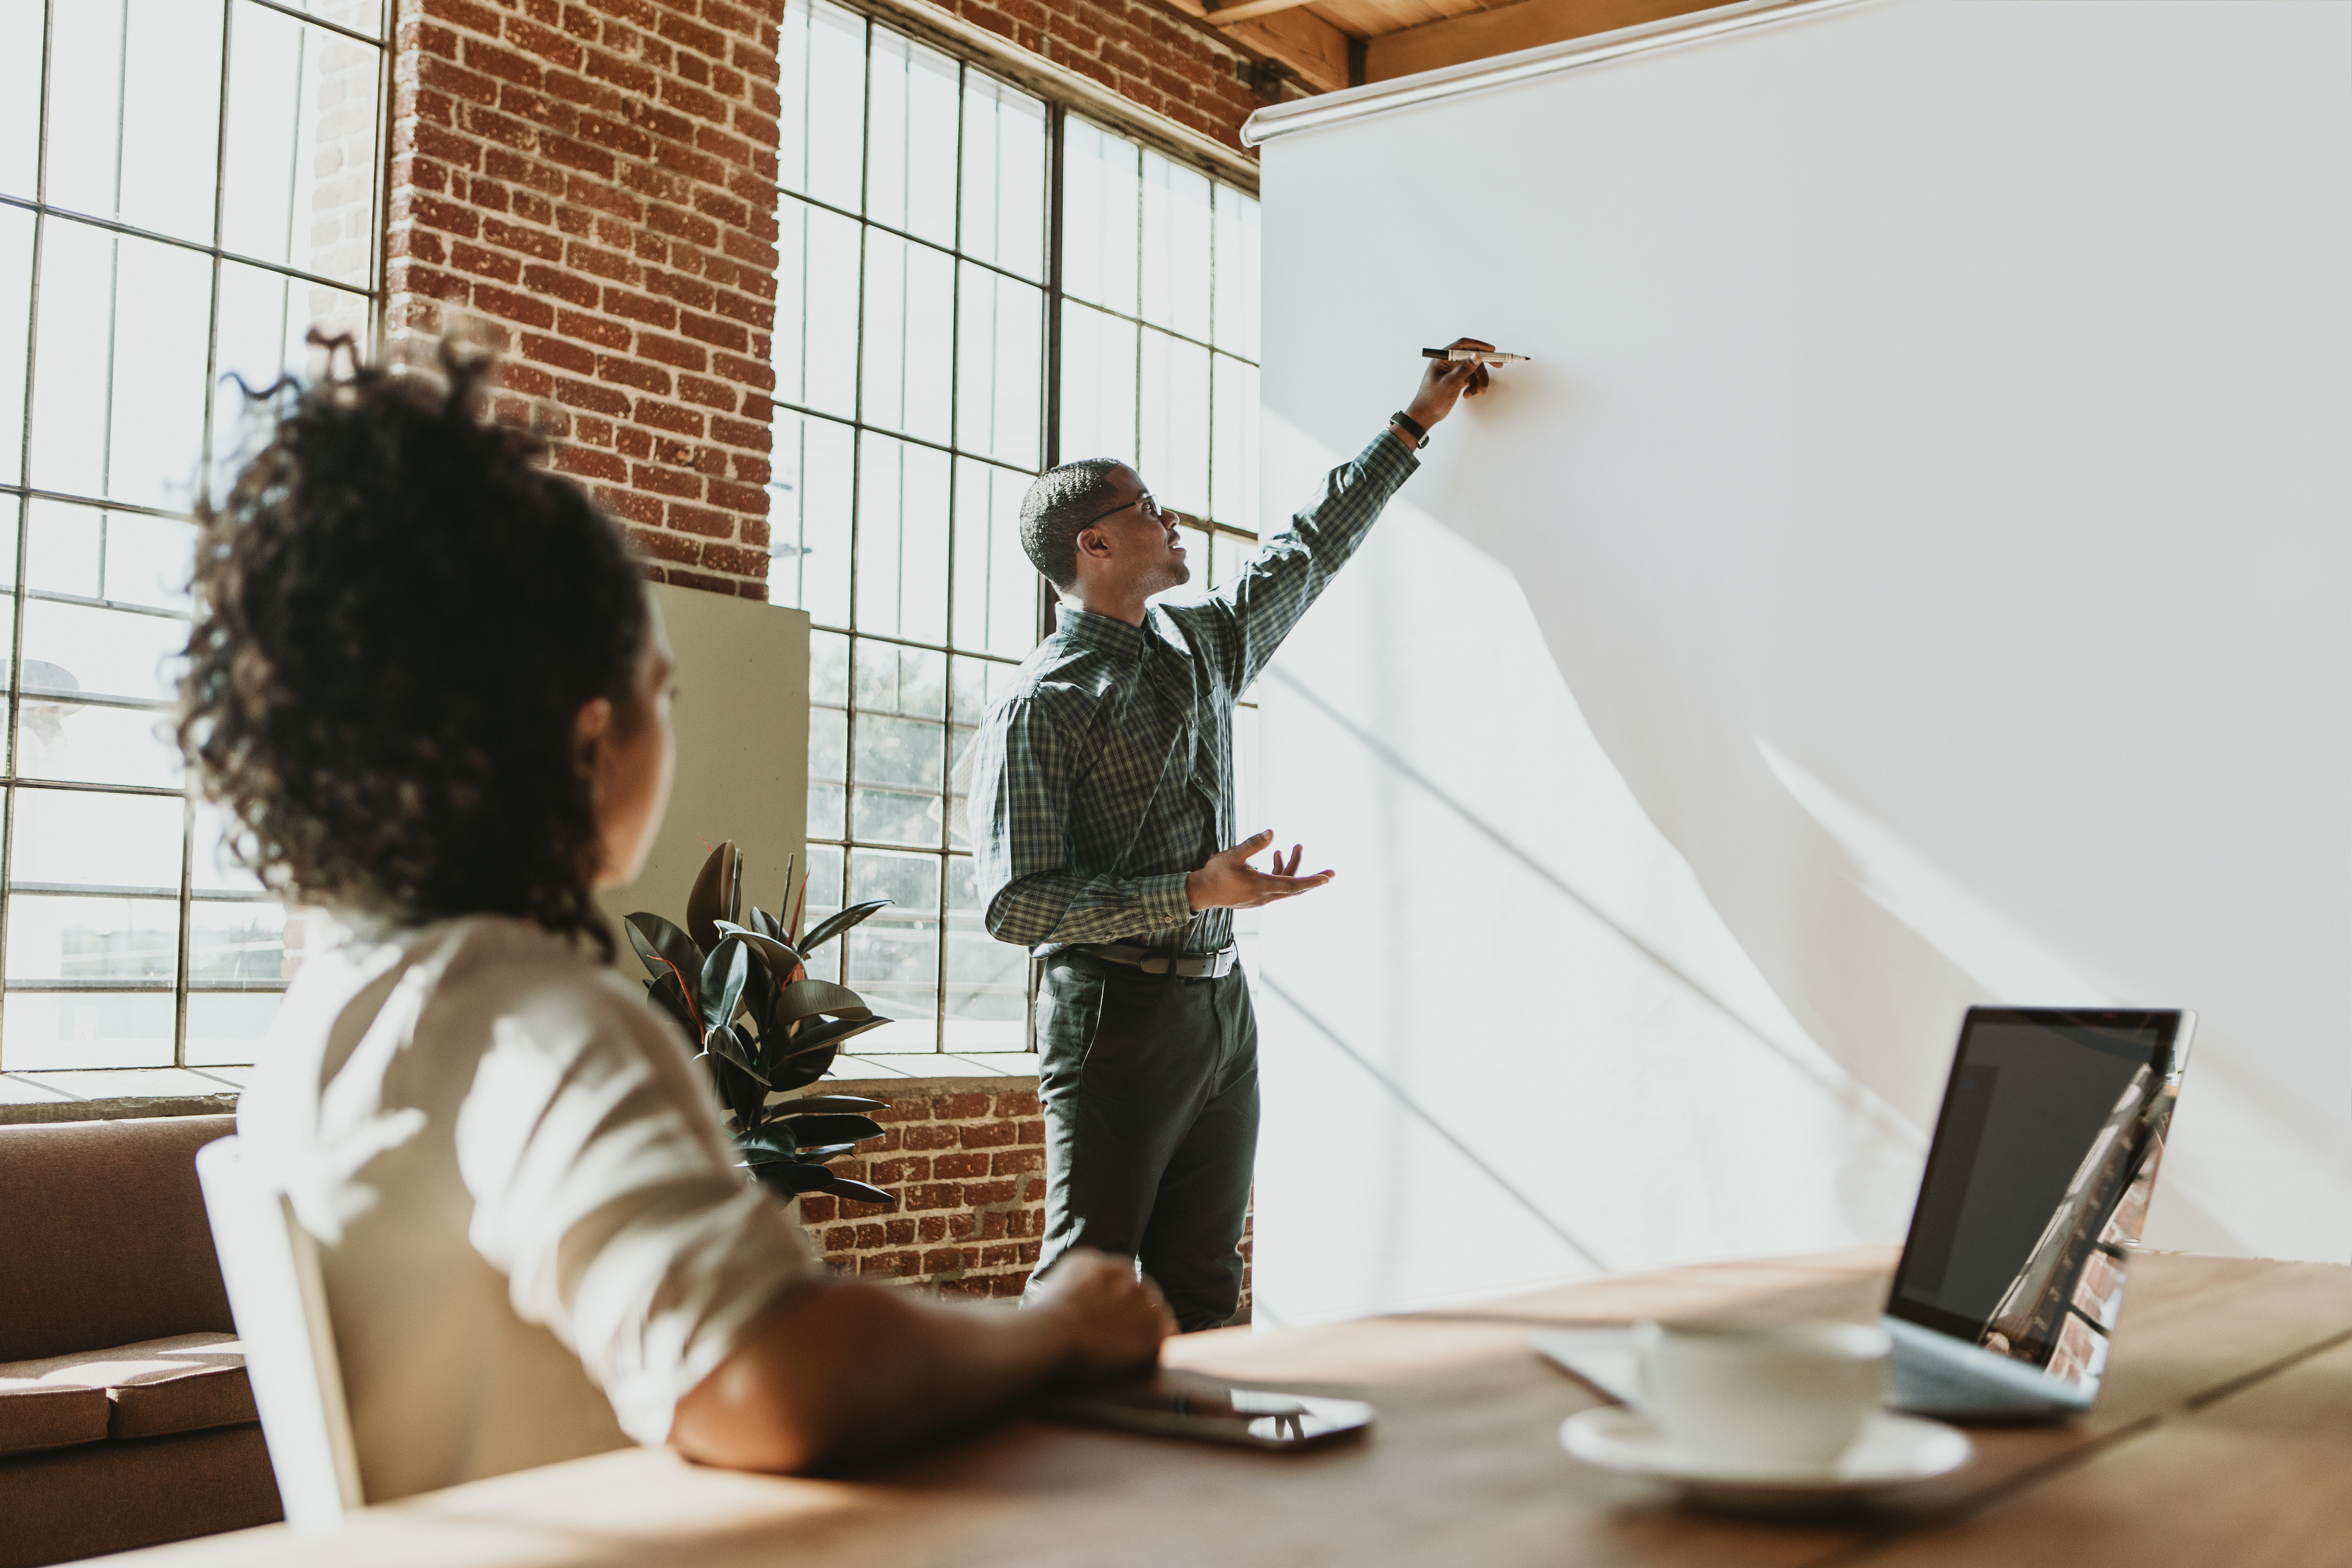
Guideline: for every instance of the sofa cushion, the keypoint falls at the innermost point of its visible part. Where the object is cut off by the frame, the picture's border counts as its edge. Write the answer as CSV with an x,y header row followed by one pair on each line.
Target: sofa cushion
x,y
103,1232
186,1382
112,1497
34,1415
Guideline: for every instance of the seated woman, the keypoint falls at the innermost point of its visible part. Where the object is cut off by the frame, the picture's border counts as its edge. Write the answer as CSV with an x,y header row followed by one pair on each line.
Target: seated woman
x,y
428,684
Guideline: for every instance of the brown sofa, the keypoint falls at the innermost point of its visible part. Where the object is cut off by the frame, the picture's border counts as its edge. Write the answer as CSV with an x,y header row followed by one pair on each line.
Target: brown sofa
x,y
125,1418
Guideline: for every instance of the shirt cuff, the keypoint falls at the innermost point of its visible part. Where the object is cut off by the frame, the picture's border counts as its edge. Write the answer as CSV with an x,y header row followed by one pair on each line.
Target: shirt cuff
x,y
1162,902
1389,457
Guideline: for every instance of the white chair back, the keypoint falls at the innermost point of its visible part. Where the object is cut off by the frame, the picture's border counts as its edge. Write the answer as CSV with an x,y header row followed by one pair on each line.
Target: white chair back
x,y
279,1300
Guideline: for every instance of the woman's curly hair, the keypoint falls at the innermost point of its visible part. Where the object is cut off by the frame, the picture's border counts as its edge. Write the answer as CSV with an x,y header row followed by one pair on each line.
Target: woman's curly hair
x,y
398,617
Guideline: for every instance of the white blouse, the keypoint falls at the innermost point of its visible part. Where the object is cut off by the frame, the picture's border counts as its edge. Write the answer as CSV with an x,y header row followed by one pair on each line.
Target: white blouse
x,y
533,1237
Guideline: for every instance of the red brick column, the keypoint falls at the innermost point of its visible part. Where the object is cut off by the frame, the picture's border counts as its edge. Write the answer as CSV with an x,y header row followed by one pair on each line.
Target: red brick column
x,y
595,183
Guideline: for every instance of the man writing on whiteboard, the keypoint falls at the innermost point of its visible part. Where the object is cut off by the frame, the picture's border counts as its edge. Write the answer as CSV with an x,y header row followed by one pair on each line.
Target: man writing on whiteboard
x,y
1102,818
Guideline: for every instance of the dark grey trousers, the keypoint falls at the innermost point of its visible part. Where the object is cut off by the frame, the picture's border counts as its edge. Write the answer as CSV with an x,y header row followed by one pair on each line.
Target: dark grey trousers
x,y
1149,1088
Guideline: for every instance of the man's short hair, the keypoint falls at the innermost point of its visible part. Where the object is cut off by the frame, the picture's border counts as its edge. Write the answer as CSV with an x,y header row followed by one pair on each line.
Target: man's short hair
x,y
1057,508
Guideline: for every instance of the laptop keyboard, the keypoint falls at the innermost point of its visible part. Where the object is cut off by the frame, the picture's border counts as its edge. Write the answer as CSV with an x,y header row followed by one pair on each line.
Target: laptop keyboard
x,y
1921,1384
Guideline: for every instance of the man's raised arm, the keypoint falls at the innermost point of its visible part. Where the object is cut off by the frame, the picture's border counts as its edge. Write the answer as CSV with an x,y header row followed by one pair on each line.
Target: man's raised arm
x,y
1296,564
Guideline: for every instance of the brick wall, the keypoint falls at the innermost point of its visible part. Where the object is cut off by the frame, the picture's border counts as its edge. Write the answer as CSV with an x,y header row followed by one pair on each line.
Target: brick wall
x,y
1154,56
966,1160
593,182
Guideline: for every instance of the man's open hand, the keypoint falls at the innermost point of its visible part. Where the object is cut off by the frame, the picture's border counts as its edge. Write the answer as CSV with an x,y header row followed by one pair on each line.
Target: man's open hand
x,y
1229,883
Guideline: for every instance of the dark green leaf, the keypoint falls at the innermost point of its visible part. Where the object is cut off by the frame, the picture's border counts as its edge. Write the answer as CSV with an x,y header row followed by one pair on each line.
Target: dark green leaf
x,y
668,996
840,920
724,975
738,1090
778,956
824,1152
828,1035
770,1142
800,1071
707,904
766,924
792,1180
856,1192
825,1129
664,947
727,1043
829,1102
807,998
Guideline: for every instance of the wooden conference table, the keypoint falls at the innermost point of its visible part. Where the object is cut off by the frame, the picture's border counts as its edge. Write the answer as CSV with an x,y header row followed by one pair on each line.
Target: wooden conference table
x,y
2224,1436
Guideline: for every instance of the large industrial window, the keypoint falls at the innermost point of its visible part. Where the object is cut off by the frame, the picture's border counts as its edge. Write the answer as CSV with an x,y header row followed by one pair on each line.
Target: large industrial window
x,y
976,284
185,187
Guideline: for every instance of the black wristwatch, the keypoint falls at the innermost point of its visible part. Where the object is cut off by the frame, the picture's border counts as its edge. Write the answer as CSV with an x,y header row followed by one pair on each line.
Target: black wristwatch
x,y
1407,422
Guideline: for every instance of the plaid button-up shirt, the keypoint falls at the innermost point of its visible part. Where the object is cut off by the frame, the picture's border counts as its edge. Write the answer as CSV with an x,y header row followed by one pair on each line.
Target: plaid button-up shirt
x,y
1107,775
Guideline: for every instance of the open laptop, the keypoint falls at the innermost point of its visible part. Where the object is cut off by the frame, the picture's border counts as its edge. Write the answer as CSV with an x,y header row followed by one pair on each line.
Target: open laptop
x,y
2036,1189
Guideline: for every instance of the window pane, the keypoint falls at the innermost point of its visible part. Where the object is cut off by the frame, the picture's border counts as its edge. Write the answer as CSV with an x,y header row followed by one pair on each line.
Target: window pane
x,y
902,541
237,942
226,1028
81,743
20,94
1102,176
16,318
1236,303
1233,464
979,685
988,980
72,649
823,88
76,838
829,669
132,114
910,336
84,939
302,146
1004,176
1098,386
53,1032
894,959
142,312
1000,372
823,898
815,345
1173,426
828,769
1175,251
995,587
809,518
265,322
906,682
211,869
124,557
911,138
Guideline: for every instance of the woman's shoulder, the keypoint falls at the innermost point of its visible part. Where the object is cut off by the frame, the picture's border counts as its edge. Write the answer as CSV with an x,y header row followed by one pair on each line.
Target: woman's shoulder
x,y
494,970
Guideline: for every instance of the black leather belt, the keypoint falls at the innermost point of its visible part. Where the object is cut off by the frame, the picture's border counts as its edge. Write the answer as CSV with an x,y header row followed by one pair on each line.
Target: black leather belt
x,y
1158,961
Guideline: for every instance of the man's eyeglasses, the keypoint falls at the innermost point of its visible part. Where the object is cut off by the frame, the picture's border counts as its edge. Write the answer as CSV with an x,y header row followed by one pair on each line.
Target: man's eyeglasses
x,y
1151,509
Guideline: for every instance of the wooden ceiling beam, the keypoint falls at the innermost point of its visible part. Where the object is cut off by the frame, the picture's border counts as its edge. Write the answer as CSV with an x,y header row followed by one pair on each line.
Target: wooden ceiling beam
x,y
1249,10
1481,35
1300,39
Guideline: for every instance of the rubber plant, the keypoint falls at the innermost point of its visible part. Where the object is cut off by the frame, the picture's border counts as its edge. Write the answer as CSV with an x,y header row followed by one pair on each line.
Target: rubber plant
x,y
761,1025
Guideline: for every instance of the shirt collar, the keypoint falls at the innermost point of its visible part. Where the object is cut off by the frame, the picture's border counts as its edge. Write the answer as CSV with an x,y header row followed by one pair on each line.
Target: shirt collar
x,y
1106,634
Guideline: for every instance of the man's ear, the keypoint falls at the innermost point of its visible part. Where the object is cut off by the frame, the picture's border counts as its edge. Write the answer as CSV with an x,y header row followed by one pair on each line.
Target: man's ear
x,y
1094,542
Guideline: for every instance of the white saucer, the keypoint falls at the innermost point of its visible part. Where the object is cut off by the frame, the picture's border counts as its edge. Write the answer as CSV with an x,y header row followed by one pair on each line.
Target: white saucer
x,y
1892,1451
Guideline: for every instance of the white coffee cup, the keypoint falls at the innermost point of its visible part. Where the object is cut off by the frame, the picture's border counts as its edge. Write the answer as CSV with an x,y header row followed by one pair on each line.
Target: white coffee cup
x,y
1761,1396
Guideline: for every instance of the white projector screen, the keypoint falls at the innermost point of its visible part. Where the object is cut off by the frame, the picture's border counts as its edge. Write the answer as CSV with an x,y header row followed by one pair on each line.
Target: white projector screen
x,y
1912,574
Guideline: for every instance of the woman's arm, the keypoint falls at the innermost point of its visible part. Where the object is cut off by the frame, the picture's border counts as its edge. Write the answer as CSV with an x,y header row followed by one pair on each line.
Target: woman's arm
x,y
844,1368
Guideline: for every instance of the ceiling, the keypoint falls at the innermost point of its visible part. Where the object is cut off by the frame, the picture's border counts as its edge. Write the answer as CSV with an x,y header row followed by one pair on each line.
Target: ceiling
x,y
1332,44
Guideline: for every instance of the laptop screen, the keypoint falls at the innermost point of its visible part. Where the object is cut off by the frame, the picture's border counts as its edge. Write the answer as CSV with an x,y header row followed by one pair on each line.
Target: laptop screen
x,y
2038,1182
